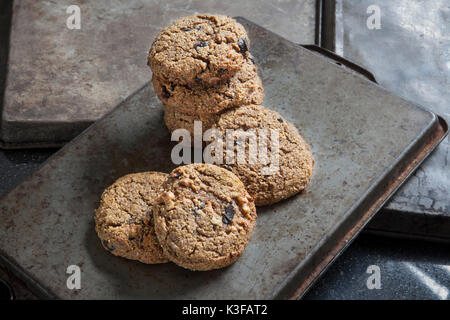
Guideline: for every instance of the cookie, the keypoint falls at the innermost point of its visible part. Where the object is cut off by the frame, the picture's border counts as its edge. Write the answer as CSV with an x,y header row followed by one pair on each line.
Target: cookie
x,y
199,49
179,120
245,87
124,219
205,217
267,182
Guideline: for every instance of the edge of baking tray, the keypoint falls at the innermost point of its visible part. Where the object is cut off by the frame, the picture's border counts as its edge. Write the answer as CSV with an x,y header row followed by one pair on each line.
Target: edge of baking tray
x,y
411,225
296,285
32,284
64,138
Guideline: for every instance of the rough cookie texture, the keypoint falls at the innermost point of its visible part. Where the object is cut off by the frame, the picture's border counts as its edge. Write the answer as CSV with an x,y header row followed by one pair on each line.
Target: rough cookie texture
x,y
205,217
245,87
202,48
124,219
175,119
295,162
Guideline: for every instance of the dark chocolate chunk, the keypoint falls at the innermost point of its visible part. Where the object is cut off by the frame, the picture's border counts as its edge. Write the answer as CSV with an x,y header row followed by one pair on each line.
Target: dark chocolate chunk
x,y
252,60
227,217
165,93
186,29
108,246
200,44
221,71
242,43
280,120
198,80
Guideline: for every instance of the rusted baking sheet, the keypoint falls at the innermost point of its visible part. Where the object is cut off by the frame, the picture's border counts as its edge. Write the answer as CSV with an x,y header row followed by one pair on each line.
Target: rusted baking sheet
x,y
415,36
61,80
365,142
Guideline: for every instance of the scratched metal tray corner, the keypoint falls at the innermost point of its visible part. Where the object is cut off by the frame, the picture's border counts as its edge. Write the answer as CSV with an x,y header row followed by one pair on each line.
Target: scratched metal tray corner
x,y
365,141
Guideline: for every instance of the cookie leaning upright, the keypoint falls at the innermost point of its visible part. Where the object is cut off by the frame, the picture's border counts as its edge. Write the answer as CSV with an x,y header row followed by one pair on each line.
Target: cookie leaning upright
x,y
124,219
202,48
204,218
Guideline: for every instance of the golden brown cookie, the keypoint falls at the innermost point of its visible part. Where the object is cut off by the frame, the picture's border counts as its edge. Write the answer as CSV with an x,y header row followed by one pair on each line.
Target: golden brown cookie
x,y
245,87
205,217
179,120
200,49
268,182
124,219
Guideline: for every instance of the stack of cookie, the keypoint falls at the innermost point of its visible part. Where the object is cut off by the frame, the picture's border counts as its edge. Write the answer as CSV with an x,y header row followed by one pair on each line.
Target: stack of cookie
x,y
201,67
203,70
201,216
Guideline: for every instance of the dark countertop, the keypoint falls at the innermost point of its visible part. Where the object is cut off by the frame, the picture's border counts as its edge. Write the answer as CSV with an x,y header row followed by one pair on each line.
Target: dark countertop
x,y
409,269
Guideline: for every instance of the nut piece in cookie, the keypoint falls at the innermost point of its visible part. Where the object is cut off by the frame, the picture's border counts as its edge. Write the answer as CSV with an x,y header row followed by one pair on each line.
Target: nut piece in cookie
x,y
290,160
200,49
124,219
245,87
205,217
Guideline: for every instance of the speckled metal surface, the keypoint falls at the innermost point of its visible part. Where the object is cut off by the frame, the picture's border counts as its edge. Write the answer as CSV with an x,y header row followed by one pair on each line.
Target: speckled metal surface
x,y
48,219
61,80
409,55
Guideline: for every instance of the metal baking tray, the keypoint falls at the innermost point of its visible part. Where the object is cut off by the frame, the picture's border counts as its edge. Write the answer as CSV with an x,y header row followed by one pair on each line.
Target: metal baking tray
x,y
416,69
61,80
365,140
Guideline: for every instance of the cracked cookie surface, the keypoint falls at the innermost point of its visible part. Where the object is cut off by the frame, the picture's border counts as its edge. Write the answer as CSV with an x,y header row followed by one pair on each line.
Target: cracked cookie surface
x,y
124,219
295,161
200,49
205,217
245,87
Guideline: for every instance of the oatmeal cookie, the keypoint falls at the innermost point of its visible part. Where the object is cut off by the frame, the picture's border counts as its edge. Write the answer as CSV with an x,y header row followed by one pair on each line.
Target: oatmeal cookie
x,y
200,49
124,219
205,217
295,161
